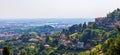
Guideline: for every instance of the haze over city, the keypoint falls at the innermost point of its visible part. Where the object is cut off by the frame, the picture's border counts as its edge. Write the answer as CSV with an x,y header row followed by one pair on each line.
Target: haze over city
x,y
13,9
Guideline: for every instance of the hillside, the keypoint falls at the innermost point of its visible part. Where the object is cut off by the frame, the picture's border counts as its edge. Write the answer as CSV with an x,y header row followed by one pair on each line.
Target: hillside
x,y
94,38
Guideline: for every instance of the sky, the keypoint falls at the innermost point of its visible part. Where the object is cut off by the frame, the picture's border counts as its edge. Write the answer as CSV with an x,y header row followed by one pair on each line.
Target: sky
x,y
56,8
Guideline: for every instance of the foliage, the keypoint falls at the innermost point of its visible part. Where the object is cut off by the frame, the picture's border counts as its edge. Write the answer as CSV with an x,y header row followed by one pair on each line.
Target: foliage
x,y
23,52
6,50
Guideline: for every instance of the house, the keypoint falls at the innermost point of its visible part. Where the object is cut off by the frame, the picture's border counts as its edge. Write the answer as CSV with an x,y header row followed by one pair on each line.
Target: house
x,y
1,51
33,40
99,20
80,45
62,36
66,43
87,45
47,46
117,23
17,42
32,44
43,35
111,26
41,39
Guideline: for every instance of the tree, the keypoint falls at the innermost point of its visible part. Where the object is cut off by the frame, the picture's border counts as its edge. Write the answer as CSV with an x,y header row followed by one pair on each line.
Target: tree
x,y
6,50
23,52
114,48
74,28
84,25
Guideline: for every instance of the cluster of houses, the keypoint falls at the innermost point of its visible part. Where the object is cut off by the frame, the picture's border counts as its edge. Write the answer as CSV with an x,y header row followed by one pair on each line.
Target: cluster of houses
x,y
42,39
62,40
101,20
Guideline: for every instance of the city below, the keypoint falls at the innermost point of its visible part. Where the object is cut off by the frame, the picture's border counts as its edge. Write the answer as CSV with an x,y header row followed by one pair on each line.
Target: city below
x,y
12,28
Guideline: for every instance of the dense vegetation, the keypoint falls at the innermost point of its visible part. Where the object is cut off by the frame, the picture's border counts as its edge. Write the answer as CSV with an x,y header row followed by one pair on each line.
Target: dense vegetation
x,y
94,38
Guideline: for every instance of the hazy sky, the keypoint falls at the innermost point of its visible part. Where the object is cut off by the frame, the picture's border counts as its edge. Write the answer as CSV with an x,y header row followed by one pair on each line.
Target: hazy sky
x,y
56,8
